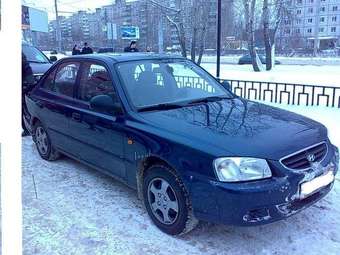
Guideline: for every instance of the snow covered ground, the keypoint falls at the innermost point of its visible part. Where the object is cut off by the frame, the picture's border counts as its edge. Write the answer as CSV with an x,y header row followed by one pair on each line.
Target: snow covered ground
x,y
297,74
73,209
318,61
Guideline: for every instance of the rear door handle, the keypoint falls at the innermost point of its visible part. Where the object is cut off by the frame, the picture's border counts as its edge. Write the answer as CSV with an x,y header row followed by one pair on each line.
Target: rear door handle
x,y
76,116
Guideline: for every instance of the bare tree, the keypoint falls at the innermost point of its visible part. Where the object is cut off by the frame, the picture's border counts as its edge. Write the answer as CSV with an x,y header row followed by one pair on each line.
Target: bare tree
x,y
195,32
249,15
273,12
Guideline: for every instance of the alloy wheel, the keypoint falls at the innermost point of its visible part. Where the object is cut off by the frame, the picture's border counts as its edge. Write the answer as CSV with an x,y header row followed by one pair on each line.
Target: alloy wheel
x,y
42,140
163,201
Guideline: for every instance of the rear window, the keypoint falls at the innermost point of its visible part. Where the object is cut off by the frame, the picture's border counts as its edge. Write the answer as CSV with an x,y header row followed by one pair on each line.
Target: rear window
x,y
34,55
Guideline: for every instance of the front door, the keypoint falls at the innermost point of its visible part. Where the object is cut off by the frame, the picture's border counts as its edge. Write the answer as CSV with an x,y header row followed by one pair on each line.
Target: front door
x,y
97,136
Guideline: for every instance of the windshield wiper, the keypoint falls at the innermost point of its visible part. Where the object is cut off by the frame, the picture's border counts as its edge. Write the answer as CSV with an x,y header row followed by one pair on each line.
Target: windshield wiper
x,y
165,106
209,99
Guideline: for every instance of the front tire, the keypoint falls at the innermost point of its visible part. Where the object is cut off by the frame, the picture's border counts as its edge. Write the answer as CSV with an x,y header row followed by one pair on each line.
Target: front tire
x,y
43,143
167,202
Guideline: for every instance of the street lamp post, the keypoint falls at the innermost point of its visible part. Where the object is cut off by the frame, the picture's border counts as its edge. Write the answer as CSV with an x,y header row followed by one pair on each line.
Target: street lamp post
x,y
58,33
218,48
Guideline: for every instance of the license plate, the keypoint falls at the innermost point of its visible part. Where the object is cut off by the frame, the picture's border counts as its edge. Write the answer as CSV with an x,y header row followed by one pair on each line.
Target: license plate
x,y
308,188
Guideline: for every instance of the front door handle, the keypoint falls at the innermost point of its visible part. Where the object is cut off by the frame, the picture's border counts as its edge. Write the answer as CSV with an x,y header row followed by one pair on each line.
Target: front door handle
x,y
76,117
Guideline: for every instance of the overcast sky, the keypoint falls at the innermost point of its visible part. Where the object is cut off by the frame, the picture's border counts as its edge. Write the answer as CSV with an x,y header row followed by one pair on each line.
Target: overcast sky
x,y
66,5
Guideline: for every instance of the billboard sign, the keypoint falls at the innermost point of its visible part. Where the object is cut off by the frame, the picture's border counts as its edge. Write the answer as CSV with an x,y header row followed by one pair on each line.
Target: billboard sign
x,y
38,20
25,17
34,19
130,33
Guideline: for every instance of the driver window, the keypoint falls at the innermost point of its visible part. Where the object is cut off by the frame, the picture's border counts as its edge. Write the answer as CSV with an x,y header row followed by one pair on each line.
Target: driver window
x,y
95,80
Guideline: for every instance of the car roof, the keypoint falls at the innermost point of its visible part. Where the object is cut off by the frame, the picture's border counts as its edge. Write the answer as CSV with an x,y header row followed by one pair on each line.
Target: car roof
x,y
123,57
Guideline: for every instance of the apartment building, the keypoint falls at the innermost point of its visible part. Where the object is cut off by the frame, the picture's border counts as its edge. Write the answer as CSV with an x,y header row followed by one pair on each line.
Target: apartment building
x,y
310,23
154,28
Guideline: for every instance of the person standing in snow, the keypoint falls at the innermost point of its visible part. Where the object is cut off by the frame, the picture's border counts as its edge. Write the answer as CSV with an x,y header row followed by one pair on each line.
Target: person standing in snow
x,y
75,50
86,49
26,85
132,47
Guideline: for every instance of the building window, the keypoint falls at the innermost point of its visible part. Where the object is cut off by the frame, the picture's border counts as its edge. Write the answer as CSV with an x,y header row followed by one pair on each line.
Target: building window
x,y
309,30
334,19
311,1
321,29
322,19
310,20
323,0
299,1
322,9
287,22
333,29
297,31
335,8
298,11
298,21
310,10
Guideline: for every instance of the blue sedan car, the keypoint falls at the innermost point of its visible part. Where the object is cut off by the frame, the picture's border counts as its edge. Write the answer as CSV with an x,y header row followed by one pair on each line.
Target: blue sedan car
x,y
191,148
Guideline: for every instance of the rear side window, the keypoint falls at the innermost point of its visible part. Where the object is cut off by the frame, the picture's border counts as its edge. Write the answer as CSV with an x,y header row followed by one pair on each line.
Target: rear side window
x,y
65,78
49,81
95,80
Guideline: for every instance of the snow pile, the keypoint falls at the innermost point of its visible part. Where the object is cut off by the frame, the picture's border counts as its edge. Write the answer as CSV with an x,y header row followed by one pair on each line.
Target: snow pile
x,y
73,209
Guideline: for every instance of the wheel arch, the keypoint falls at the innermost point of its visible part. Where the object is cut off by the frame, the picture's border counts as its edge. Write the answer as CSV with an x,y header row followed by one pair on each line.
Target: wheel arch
x,y
145,164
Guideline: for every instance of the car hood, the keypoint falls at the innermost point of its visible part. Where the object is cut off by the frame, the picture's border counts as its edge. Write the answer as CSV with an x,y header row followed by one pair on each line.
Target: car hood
x,y
40,68
238,127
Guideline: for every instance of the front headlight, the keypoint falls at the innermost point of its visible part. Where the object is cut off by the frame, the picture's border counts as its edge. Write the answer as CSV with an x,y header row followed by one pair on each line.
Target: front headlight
x,y
234,169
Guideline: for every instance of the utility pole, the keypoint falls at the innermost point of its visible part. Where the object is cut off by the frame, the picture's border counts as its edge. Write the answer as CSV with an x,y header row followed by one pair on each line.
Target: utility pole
x,y
58,33
111,24
218,48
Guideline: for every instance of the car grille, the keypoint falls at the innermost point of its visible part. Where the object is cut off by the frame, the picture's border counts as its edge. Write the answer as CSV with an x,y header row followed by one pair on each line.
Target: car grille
x,y
304,158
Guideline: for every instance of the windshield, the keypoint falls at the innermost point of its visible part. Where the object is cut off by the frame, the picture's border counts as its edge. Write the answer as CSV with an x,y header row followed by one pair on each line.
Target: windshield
x,y
34,55
154,82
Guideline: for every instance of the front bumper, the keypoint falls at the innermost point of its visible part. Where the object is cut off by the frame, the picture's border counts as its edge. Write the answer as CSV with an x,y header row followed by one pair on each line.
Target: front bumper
x,y
257,202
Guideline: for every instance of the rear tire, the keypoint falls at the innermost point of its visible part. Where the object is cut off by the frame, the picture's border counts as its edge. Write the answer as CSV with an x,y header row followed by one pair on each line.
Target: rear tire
x,y
167,201
43,143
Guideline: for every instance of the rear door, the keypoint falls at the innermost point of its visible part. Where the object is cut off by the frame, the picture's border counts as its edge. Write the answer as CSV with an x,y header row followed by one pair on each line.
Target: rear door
x,y
54,99
97,136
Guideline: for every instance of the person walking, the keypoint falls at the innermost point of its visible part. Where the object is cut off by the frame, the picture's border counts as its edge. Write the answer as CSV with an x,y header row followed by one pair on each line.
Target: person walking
x,y
86,49
132,47
75,50
26,85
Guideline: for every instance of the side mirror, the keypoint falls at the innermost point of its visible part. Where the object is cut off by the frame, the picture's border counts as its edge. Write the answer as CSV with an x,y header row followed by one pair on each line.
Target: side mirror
x,y
226,85
53,58
104,103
